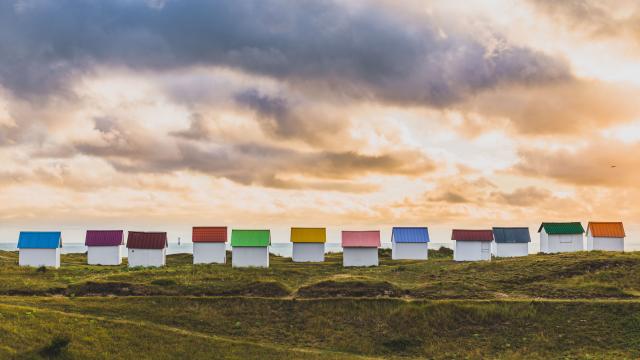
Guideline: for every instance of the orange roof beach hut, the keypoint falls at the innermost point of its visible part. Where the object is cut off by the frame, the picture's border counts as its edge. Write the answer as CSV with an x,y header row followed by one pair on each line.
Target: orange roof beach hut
x,y
308,244
605,236
209,244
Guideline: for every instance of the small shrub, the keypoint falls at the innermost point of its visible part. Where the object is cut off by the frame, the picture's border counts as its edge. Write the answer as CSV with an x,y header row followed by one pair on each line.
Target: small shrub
x,y
384,253
56,347
41,269
163,282
442,252
401,344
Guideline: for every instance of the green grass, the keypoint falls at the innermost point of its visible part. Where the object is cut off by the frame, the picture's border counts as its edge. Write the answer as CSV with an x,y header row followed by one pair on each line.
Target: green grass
x,y
581,305
595,275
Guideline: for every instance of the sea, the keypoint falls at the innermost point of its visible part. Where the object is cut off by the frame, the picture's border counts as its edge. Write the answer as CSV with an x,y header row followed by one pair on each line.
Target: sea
x,y
280,249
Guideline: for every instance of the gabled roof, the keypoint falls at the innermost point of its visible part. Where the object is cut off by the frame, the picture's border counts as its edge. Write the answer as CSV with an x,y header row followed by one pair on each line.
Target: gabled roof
x,y
511,235
146,240
104,238
250,238
472,235
567,228
606,229
361,239
308,235
40,240
209,234
410,235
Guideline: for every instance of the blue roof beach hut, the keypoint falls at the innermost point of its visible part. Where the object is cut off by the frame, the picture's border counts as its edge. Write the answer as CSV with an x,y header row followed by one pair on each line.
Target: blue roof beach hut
x,y
410,243
39,248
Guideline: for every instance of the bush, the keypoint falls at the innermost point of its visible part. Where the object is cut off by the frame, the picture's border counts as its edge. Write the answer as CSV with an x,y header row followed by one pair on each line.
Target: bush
x,y
41,269
56,347
401,344
442,252
163,282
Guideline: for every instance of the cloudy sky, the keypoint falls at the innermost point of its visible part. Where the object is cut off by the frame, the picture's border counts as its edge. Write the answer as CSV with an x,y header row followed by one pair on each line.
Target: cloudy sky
x,y
362,113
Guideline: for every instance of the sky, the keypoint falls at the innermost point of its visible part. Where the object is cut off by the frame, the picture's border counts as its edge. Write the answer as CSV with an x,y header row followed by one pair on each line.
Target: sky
x,y
167,114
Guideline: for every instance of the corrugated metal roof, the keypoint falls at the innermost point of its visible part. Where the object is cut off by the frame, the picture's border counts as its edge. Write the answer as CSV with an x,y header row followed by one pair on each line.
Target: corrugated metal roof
x,y
410,235
606,229
566,228
250,238
104,238
207,234
361,239
308,235
472,235
146,240
40,240
511,235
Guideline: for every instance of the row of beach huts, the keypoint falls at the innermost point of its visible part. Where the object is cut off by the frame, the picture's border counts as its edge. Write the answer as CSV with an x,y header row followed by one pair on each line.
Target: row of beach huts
x,y
250,248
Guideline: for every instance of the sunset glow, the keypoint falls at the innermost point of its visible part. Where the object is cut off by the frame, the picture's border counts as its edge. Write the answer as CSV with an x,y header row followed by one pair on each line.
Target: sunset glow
x,y
286,113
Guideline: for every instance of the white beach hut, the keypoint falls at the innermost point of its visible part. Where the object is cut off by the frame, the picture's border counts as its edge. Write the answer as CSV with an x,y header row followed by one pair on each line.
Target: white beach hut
x,y
561,237
472,245
360,248
38,248
104,247
209,245
147,249
308,244
510,241
605,236
410,243
250,248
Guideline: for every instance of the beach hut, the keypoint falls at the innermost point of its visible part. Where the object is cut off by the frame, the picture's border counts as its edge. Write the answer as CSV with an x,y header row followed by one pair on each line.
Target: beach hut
x,y
104,247
606,236
510,241
561,237
360,248
472,245
39,248
308,244
148,249
209,245
250,248
410,243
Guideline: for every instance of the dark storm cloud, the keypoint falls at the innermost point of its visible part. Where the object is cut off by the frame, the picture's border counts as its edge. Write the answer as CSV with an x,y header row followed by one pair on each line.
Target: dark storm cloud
x,y
273,112
367,52
278,117
248,164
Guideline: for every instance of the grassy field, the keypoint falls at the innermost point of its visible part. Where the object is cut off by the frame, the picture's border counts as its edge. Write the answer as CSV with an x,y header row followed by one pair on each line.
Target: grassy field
x,y
582,305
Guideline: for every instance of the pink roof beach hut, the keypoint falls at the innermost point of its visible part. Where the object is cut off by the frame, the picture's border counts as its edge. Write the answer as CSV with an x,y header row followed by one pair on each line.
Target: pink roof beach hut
x,y
360,248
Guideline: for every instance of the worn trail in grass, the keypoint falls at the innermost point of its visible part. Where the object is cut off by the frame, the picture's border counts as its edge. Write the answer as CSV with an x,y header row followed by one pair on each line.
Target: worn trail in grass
x,y
94,336
370,327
